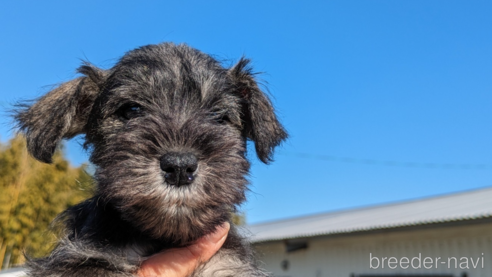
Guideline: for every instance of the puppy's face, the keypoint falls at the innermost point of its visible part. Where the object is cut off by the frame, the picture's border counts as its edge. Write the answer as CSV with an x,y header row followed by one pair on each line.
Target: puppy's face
x,y
167,127
166,137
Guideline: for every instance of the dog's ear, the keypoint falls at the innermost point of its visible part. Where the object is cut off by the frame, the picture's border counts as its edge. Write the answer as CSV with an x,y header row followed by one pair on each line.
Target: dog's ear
x,y
259,119
61,113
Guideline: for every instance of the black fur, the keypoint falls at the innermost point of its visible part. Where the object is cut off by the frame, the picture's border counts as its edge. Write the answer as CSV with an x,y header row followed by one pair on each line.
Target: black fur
x,y
157,99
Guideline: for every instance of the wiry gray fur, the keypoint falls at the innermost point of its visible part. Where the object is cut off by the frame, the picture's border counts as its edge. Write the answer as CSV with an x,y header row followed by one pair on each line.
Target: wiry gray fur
x,y
156,100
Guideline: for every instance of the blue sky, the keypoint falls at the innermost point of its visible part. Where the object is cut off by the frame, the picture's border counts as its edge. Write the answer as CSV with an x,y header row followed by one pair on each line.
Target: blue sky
x,y
384,100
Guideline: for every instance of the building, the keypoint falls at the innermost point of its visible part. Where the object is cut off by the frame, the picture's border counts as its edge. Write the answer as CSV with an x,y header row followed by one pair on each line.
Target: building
x,y
444,236
13,272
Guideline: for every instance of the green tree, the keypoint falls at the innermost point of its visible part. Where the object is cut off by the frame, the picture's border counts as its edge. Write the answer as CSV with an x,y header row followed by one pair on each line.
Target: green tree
x,y
239,218
31,195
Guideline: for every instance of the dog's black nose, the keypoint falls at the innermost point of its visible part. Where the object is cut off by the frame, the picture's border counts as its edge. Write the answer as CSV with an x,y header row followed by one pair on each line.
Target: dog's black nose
x,y
179,168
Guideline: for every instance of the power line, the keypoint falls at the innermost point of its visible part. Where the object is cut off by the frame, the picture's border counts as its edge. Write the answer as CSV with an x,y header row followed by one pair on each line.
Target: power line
x,y
389,163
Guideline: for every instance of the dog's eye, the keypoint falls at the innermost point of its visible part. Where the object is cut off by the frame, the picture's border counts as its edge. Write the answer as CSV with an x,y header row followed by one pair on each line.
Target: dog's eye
x,y
219,117
129,111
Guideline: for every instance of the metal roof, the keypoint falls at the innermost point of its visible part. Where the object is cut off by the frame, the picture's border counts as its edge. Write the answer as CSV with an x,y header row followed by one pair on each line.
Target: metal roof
x,y
468,205
13,272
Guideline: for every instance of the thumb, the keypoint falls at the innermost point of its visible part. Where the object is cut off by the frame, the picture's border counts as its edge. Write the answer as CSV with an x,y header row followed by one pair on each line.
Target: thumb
x,y
180,262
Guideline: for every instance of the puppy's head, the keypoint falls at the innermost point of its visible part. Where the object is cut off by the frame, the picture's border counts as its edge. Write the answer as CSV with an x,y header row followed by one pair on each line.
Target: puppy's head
x,y
167,129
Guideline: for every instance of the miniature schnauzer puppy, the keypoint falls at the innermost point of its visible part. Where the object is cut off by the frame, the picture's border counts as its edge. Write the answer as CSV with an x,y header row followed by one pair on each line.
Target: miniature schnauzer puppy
x,y
166,128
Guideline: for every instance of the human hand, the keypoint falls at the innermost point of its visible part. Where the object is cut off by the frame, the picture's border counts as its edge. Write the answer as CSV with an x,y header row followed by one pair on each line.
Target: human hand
x,y
181,262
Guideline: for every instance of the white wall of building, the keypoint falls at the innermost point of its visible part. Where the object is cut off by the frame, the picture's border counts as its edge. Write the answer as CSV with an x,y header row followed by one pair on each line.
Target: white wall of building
x,y
341,256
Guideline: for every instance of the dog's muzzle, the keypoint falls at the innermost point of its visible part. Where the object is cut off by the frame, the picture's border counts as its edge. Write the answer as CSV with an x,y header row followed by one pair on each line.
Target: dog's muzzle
x,y
179,168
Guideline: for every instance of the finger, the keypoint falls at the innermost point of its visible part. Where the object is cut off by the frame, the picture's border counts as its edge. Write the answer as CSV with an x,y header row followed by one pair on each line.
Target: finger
x,y
180,262
208,245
